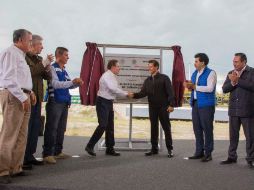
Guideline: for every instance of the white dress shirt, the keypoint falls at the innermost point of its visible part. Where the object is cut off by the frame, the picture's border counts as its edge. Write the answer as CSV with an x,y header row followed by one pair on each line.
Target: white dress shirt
x,y
15,74
211,82
108,86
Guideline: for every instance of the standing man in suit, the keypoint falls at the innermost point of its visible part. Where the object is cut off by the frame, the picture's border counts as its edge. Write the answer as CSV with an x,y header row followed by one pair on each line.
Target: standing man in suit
x,y
40,69
108,90
160,94
240,84
203,89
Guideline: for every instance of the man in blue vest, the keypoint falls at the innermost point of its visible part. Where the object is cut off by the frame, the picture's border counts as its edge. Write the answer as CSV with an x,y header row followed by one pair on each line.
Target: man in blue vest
x,y
59,101
203,87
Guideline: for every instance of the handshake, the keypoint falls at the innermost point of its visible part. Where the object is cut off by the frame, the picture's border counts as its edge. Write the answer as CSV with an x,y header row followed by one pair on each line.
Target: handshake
x,y
130,95
77,81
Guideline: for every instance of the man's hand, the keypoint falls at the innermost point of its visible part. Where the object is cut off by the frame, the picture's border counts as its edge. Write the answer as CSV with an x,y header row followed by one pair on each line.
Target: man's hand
x,y
77,81
130,95
33,98
170,109
48,60
26,105
233,77
189,85
50,57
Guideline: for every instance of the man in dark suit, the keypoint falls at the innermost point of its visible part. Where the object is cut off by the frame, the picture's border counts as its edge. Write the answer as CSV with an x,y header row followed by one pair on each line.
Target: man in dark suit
x,y
240,84
40,69
160,94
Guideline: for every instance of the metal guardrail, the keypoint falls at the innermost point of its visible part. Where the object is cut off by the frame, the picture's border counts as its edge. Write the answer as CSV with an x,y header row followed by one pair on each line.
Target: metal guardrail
x,y
75,99
220,100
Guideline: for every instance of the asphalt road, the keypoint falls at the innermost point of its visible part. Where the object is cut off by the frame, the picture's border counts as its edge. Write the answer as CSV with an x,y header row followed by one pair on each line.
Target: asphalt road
x,y
132,170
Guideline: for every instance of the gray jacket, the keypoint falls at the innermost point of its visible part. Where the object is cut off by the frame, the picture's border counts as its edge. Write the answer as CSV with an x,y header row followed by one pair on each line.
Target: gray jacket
x,y
241,99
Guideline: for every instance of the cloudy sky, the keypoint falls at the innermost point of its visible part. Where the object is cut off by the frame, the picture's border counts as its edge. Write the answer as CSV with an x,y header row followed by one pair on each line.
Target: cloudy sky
x,y
217,27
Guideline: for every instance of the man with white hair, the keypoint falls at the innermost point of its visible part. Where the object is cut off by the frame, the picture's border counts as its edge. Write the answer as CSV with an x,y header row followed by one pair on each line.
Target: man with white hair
x,y
40,69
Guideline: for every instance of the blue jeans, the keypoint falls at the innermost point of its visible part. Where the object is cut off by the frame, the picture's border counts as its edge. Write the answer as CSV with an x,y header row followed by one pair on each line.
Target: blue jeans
x,y
33,132
56,121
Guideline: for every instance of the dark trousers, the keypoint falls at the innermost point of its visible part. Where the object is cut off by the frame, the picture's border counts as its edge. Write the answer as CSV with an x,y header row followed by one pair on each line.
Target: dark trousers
x,y
56,121
248,128
202,119
33,132
105,114
156,114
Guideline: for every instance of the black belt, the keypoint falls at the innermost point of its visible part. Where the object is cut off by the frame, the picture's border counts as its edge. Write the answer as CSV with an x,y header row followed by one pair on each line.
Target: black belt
x,y
108,100
26,91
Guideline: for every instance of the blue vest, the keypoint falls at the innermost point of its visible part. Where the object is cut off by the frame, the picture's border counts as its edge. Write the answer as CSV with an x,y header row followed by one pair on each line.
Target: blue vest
x,y
62,95
204,99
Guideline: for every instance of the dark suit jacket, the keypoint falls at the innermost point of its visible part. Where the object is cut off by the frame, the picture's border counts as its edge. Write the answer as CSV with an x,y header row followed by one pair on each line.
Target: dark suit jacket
x,y
38,72
159,91
241,100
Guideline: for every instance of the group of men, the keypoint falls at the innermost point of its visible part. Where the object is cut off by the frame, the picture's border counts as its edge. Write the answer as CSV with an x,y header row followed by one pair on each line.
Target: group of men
x,y
158,88
239,83
22,71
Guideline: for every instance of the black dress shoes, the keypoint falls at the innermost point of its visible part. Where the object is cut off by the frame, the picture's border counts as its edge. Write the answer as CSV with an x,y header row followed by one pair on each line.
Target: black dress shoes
x,y
112,152
195,157
27,166
170,154
5,179
152,152
36,162
20,174
228,161
206,158
250,164
90,151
